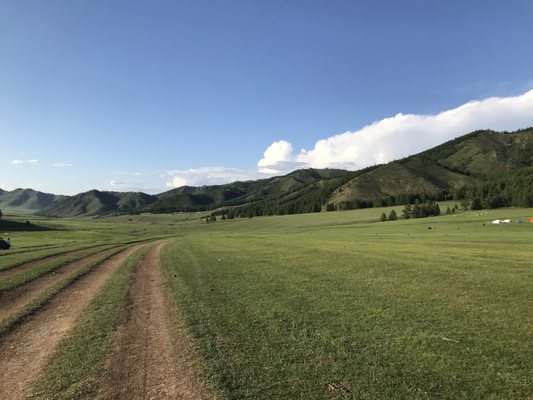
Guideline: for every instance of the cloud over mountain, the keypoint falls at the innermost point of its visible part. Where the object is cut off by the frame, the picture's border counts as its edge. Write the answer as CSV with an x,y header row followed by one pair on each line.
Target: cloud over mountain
x,y
401,135
207,176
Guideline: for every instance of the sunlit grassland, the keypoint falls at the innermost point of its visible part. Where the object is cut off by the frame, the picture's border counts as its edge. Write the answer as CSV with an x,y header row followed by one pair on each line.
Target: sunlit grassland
x,y
71,233
281,306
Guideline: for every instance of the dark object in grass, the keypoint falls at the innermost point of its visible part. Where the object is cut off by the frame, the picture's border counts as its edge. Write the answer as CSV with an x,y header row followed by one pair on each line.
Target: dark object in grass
x,y
16,226
4,245
339,387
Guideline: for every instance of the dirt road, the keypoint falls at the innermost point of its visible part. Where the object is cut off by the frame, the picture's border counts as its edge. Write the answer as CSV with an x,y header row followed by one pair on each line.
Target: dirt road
x,y
151,358
24,351
14,300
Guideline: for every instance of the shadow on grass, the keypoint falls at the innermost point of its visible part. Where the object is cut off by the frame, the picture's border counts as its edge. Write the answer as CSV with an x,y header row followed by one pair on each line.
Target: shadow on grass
x,y
15,226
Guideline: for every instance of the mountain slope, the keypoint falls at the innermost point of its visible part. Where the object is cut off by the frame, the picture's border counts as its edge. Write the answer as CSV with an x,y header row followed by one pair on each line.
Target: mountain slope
x,y
187,198
462,162
25,201
94,203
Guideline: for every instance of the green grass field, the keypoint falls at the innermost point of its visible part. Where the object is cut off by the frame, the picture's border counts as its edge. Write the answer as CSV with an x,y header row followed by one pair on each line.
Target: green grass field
x,y
327,305
280,307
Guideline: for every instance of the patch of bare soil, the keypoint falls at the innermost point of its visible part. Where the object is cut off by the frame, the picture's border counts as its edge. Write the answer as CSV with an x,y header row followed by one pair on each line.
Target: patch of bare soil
x,y
151,358
24,351
14,300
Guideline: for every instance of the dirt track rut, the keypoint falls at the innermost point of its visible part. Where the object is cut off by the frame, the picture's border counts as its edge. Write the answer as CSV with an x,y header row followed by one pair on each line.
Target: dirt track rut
x,y
151,359
13,300
24,351
6,273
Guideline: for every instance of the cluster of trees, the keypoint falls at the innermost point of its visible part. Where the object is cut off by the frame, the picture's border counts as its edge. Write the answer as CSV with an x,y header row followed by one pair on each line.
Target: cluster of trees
x,y
419,209
391,217
513,189
387,201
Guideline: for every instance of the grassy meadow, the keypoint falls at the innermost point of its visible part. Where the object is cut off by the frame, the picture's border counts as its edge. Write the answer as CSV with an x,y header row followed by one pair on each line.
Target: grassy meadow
x,y
324,305
334,305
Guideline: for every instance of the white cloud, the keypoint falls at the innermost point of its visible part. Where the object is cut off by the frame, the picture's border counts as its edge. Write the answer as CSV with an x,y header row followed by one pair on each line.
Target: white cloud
x,y
207,176
21,162
62,165
277,158
401,135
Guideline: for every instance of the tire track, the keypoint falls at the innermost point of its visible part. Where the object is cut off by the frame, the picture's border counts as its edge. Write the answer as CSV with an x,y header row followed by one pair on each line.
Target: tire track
x,y
15,269
15,299
151,359
24,351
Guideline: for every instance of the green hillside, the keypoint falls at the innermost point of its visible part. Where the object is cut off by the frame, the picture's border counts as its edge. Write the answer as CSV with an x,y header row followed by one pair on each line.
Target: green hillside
x,y
25,201
189,198
95,203
443,171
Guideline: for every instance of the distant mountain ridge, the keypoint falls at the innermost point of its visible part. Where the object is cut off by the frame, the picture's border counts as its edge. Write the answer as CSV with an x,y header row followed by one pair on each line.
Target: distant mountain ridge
x,y
451,169
25,201
95,202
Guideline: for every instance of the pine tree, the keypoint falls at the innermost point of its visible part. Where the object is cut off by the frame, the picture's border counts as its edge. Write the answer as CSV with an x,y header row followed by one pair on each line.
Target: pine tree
x,y
383,217
393,216
406,213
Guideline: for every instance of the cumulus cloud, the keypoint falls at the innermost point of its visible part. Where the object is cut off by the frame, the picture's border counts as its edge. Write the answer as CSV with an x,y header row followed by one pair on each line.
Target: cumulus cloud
x,y
62,165
401,135
278,158
207,176
22,162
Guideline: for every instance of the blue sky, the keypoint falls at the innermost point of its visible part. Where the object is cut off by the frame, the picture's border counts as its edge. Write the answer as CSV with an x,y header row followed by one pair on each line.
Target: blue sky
x,y
131,95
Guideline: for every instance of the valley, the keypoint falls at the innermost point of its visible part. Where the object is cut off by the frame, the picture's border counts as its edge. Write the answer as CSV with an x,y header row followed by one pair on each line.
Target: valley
x,y
308,306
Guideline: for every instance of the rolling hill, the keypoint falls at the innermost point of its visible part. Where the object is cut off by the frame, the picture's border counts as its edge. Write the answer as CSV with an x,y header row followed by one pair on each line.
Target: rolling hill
x,y
480,164
25,201
94,202
187,198
463,162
